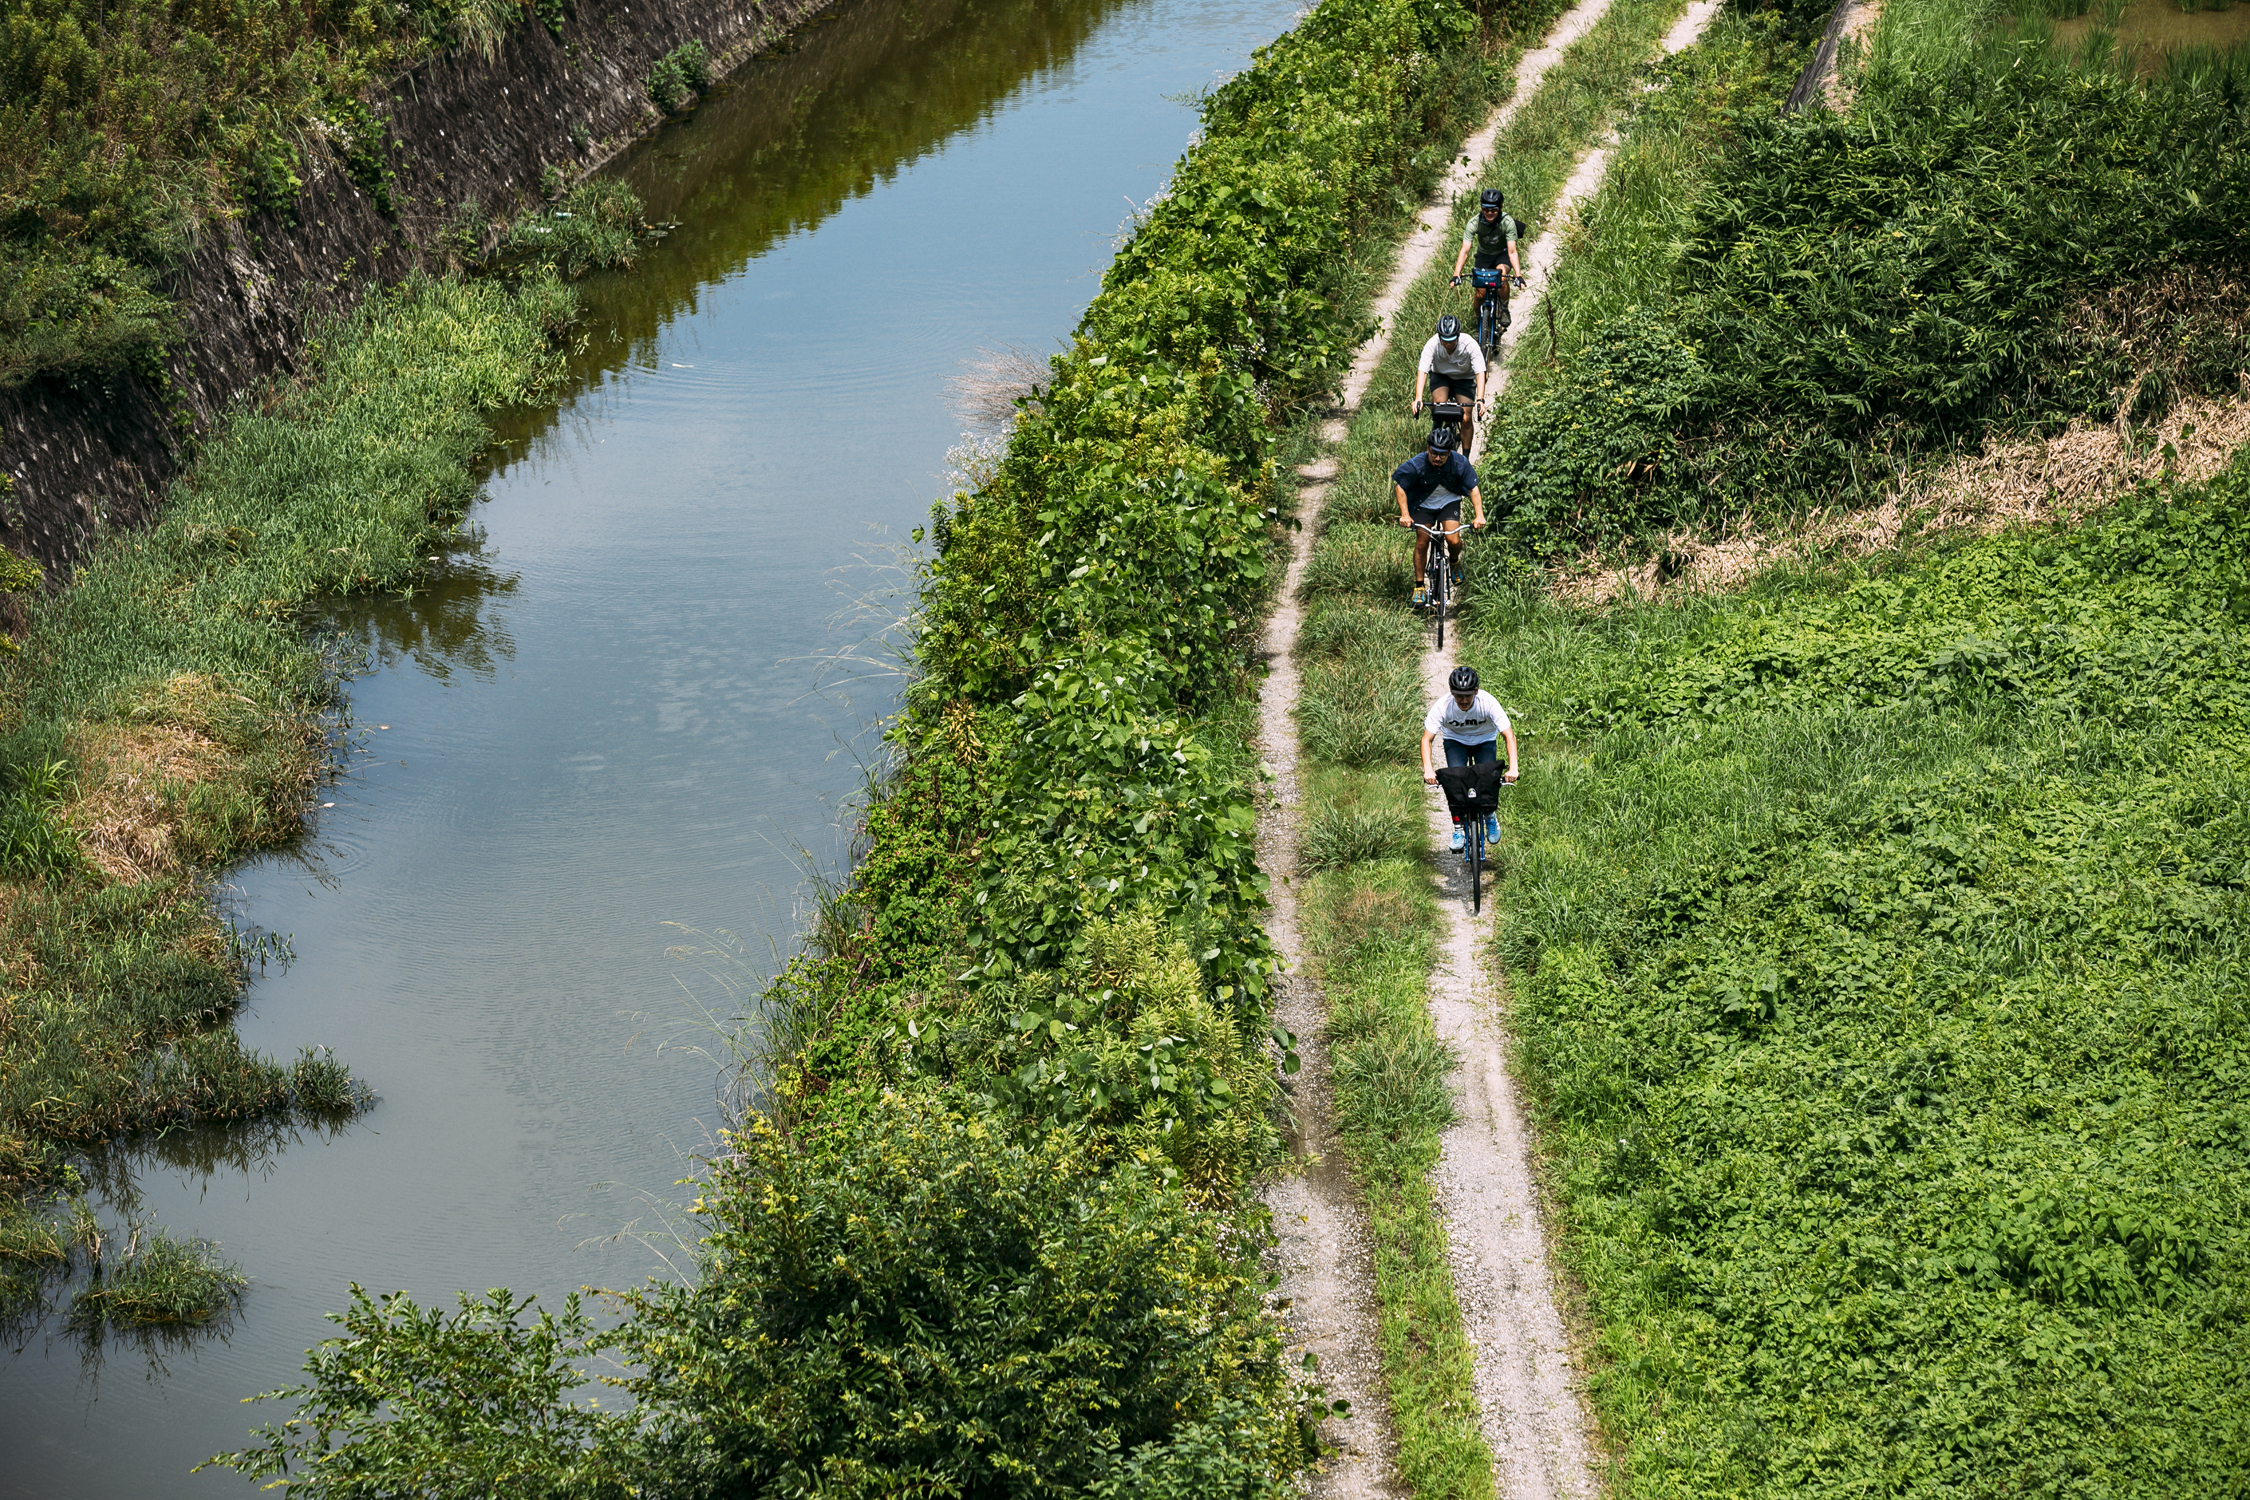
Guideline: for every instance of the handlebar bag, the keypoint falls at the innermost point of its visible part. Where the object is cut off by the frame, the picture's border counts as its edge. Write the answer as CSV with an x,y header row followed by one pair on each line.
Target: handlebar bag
x,y
1485,275
1471,791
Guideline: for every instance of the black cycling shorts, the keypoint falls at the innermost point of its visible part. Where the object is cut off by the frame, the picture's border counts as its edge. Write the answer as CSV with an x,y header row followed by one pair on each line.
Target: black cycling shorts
x,y
1450,511
1463,388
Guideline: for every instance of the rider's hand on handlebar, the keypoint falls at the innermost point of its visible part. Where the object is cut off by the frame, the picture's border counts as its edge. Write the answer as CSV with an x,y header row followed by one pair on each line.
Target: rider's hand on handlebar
x,y
1456,281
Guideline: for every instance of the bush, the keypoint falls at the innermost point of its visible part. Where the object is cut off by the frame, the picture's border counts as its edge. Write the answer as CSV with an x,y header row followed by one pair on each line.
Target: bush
x,y
680,75
950,1307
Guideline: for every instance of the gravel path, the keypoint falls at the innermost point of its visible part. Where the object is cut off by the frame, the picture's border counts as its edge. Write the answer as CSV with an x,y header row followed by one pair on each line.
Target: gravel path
x,y
1323,1252
1485,1177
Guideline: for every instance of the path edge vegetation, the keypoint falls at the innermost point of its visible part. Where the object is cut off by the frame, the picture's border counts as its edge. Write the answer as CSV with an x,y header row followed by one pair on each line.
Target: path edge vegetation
x,y
1371,918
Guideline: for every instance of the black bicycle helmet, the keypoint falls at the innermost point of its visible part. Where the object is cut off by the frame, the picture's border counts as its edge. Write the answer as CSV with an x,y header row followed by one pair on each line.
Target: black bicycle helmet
x,y
1490,198
1449,328
1442,439
1463,680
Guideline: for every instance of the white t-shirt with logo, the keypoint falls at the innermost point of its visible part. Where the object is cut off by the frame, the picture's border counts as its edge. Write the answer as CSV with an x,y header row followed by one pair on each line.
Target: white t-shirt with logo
x,y
1467,357
1482,722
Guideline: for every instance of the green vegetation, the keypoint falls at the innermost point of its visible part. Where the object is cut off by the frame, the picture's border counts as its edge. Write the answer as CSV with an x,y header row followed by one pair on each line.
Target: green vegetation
x,y
151,1281
995,1232
163,715
126,129
1875,933
595,227
159,1281
679,75
1785,310
1877,941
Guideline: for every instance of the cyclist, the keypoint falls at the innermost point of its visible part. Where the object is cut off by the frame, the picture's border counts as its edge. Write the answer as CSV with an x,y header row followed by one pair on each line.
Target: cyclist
x,y
1452,369
1492,234
1432,484
1471,722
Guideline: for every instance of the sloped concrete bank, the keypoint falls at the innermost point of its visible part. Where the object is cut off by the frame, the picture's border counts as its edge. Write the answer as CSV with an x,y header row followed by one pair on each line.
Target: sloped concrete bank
x,y
95,455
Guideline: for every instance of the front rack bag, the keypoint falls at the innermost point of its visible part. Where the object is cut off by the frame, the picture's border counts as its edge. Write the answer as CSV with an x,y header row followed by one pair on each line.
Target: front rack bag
x,y
1471,791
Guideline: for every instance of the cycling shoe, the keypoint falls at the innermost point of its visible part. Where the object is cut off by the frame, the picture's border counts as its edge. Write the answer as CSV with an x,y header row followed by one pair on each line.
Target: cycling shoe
x,y
1491,828
1459,842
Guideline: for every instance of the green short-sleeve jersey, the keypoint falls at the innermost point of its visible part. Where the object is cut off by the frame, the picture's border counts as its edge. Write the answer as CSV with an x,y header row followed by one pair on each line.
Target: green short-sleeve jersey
x,y
1491,241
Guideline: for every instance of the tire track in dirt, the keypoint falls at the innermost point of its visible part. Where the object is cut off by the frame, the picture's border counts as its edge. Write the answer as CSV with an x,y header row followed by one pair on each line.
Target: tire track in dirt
x,y
1526,1378
1323,1254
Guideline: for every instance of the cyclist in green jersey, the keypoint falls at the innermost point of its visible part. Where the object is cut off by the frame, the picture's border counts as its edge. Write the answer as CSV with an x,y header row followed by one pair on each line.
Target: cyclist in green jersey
x,y
1492,235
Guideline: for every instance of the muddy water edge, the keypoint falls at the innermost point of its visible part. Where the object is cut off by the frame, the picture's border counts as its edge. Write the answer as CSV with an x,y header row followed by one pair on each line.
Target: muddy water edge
x,y
628,697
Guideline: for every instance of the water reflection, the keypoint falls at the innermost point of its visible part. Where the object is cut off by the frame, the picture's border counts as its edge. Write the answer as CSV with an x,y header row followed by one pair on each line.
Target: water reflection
x,y
857,99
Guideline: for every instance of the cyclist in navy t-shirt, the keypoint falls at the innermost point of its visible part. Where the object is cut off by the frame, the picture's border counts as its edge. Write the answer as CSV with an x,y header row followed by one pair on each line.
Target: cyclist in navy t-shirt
x,y
1430,487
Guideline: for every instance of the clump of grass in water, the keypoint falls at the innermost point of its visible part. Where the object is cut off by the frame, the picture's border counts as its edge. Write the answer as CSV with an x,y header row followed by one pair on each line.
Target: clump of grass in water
x,y
596,227
157,1280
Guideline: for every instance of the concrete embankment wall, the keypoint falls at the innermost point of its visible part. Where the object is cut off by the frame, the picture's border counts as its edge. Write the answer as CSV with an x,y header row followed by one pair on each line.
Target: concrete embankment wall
x,y
96,454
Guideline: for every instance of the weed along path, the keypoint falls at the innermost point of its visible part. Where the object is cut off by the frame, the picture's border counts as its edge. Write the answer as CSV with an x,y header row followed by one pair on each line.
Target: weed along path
x,y
1525,1380
1325,1252
601,715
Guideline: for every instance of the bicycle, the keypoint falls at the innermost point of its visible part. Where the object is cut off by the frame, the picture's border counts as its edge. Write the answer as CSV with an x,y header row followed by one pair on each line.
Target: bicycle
x,y
1493,282
1438,569
1472,794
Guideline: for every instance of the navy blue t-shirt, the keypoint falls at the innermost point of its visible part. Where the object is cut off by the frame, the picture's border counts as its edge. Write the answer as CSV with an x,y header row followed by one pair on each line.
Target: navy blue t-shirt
x,y
1420,481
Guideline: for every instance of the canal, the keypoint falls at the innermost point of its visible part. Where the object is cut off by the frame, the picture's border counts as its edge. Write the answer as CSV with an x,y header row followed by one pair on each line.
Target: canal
x,y
630,714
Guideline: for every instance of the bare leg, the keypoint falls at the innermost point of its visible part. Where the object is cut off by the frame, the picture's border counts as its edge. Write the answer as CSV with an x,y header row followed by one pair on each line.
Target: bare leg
x,y
1453,545
1421,557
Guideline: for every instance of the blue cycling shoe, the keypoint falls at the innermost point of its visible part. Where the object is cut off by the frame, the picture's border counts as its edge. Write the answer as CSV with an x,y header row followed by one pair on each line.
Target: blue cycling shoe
x,y
1459,843
1492,828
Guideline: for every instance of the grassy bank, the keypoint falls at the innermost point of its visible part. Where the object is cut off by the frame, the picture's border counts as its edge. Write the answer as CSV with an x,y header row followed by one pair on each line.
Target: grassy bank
x,y
126,129
1875,932
1876,941
164,716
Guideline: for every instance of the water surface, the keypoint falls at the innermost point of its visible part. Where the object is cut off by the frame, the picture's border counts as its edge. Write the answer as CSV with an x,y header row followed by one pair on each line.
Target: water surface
x,y
627,700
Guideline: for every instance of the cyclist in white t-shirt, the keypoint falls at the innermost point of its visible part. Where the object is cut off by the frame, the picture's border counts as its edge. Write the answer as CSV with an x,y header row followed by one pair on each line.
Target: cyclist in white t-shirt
x,y
1452,369
1471,722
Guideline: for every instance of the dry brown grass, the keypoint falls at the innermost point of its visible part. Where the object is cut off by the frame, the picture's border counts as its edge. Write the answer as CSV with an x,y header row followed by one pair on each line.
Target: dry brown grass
x,y
135,776
991,381
2059,478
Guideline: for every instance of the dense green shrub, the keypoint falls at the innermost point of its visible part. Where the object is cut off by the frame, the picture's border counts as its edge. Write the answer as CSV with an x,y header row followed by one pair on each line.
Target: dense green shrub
x,y
1878,951
1853,290
679,75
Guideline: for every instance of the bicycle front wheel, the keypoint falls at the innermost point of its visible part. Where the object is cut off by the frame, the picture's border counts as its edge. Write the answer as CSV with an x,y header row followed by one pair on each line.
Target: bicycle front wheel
x,y
1439,579
1476,867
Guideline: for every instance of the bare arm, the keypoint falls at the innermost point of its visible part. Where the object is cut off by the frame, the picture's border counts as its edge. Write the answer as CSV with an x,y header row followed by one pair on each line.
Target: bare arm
x,y
1421,384
1460,260
1513,772
1403,518
1428,739
1476,502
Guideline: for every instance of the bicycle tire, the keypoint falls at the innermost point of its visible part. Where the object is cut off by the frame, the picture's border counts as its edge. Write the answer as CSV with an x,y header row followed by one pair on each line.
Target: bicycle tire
x,y
1476,868
1439,571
